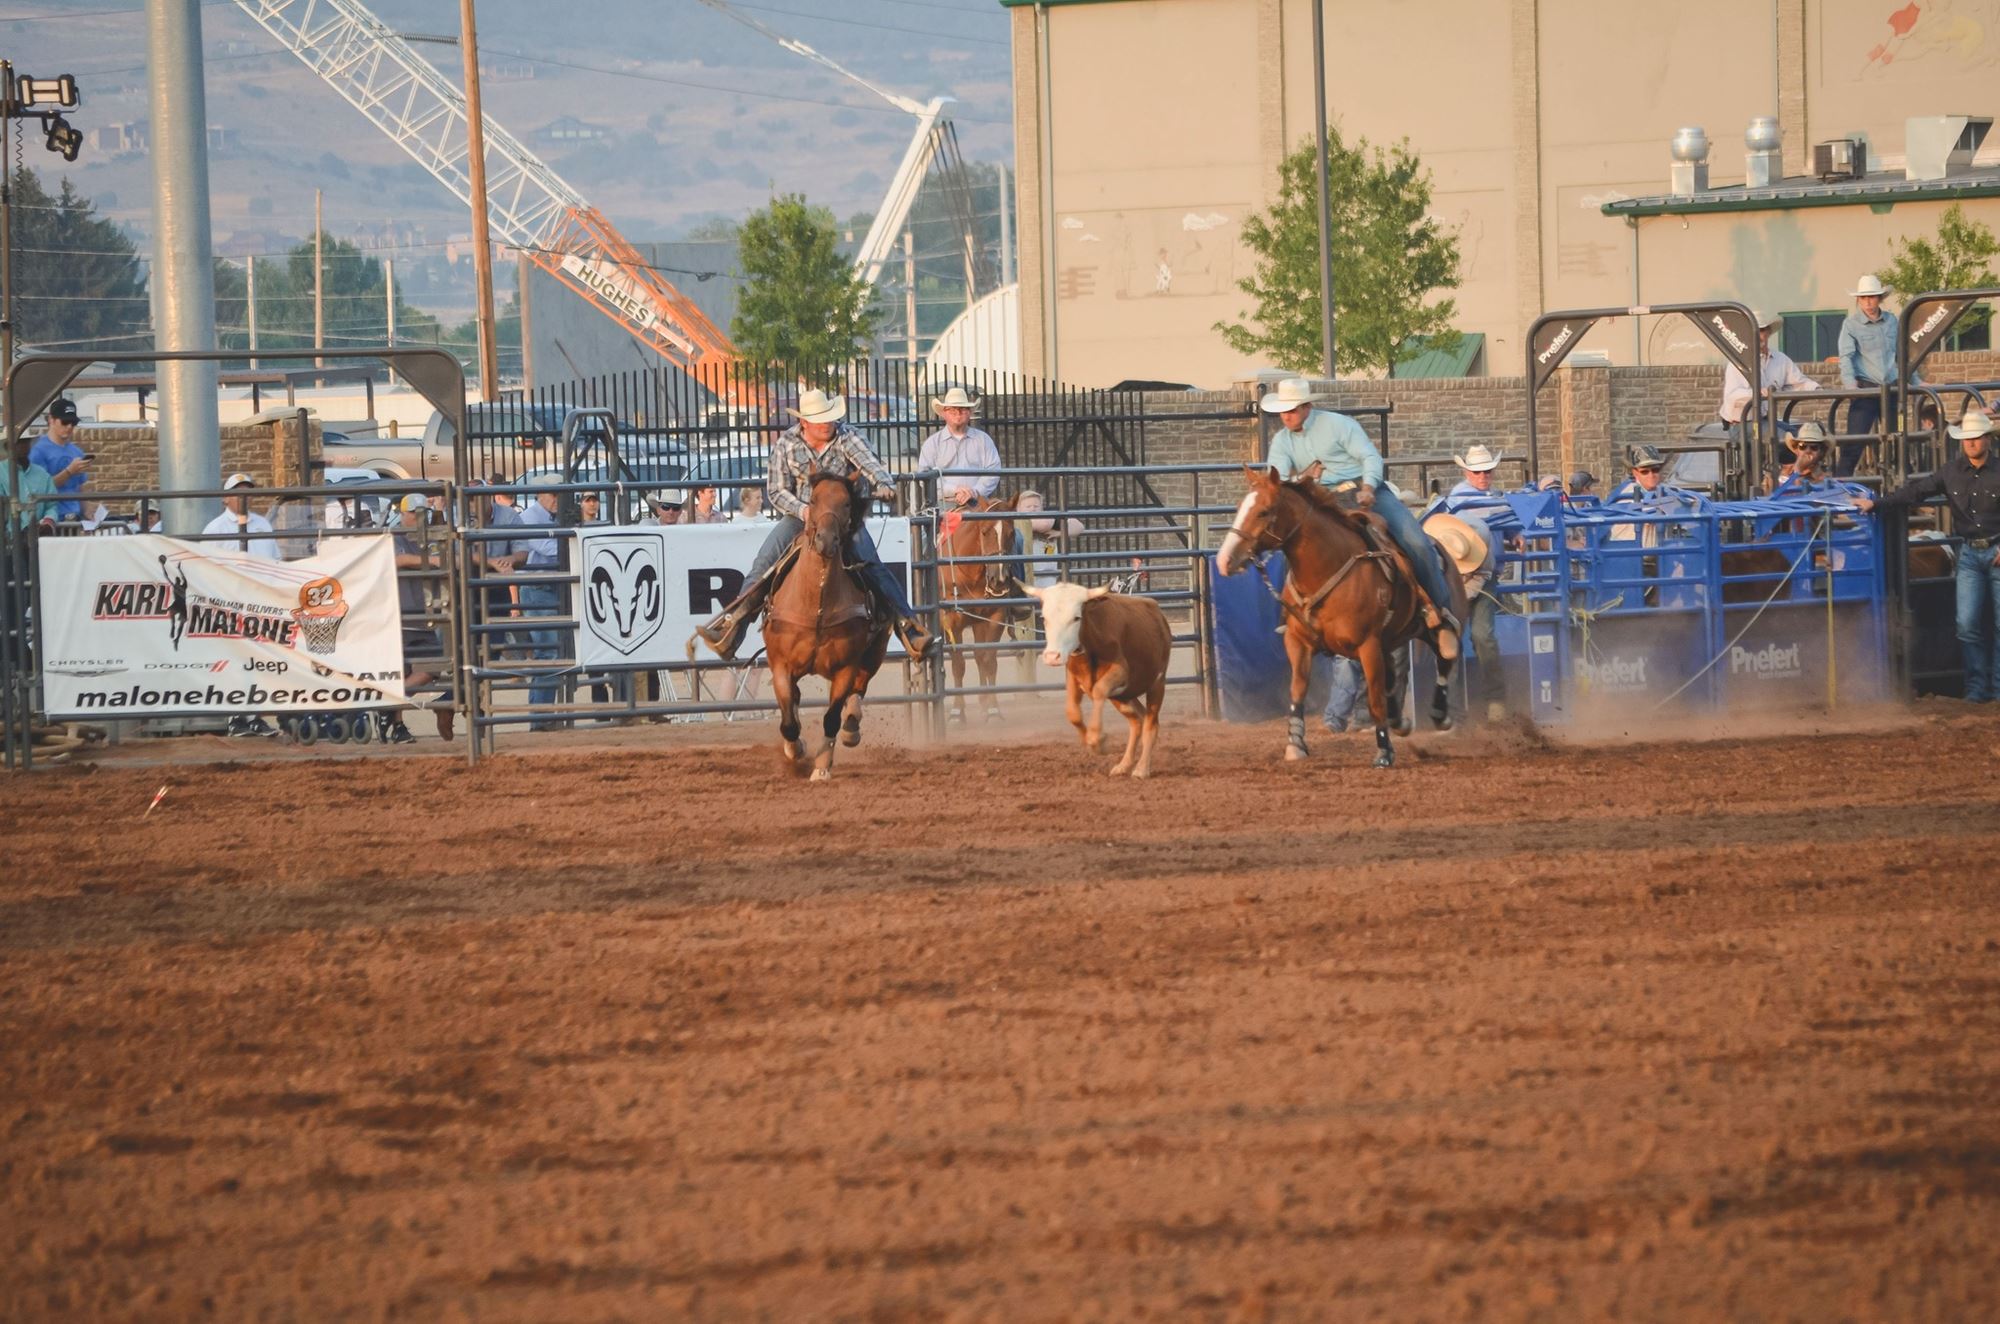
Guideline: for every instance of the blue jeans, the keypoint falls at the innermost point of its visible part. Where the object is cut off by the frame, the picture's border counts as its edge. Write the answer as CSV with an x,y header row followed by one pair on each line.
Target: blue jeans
x,y
1416,544
1862,416
542,600
1978,620
1346,691
786,531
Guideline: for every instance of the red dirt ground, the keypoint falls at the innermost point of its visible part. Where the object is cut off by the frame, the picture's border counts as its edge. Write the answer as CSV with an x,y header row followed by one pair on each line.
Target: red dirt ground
x,y
1694,1030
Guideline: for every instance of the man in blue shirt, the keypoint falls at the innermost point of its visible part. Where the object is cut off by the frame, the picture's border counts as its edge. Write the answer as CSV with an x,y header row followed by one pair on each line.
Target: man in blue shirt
x,y
58,455
1349,462
543,598
1476,488
1867,358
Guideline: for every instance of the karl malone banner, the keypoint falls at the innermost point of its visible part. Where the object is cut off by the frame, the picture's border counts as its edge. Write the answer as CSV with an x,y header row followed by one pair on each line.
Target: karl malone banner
x,y
642,591
146,626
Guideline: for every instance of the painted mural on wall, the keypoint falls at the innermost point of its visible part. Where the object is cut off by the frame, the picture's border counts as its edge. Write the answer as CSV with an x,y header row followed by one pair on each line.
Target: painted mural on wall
x,y
1944,34
1151,253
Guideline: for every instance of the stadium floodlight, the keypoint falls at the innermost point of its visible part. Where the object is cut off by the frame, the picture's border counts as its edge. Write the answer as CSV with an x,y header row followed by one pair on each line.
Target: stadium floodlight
x,y
63,137
46,91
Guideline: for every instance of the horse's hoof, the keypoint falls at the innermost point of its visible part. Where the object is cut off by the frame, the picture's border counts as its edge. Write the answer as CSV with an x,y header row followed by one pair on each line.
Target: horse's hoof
x,y
954,716
822,774
851,737
1385,760
1441,720
1120,769
1140,774
1402,726
993,714
1293,753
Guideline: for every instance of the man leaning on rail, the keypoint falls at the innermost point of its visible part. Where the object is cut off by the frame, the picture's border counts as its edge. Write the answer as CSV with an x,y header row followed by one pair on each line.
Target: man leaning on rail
x,y
1969,482
1349,463
819,443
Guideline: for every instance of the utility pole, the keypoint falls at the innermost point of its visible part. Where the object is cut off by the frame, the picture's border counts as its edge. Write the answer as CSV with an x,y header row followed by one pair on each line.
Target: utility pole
x,y
319,276
910,289
26,98
482,251
389,295
250,284
1325,201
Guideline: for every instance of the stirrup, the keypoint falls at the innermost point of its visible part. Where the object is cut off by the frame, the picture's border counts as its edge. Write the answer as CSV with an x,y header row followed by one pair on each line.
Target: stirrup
x,y
724,634
917,640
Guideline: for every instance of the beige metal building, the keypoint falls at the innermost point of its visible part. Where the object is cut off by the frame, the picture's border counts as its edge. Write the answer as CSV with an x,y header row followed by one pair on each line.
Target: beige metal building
x,y
1146,130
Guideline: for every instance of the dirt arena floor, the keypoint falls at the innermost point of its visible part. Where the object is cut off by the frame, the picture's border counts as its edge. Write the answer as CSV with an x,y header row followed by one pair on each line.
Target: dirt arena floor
x,y
1684,1030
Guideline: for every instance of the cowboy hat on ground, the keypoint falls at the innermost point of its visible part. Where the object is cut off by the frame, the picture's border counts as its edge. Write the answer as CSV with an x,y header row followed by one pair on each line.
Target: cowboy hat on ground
x,y
1288,395
955,398
1461,542
1869,286
816,406
1477,460
1974,423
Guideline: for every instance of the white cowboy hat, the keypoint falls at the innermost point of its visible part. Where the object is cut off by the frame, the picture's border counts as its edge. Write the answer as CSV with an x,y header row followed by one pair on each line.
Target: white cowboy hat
x,y
1477,460
1811,433
816,406
955,398
1289,395
1973,423
1764,323
1870,284
1461,542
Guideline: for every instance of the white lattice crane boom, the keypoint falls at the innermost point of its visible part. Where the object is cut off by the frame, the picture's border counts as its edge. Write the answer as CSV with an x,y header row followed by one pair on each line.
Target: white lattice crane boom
x,y
530,206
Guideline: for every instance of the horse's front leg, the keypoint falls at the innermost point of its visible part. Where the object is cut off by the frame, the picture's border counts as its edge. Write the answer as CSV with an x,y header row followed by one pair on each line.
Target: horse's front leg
x,y
1300,651
1376,667
785,689
842,686
954,631
989,666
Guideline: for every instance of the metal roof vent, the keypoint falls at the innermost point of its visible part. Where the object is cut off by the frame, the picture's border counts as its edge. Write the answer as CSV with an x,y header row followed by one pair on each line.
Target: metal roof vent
x,y
1939,145
1761,144
1689,173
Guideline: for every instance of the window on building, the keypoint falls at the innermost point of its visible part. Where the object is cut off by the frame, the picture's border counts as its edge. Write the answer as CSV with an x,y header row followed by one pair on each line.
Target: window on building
x,y
1808,337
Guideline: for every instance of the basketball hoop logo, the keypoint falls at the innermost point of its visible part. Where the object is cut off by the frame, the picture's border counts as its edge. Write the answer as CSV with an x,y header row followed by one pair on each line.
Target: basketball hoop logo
x,y
320,611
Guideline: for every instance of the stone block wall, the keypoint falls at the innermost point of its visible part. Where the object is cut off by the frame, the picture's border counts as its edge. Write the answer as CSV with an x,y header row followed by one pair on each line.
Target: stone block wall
x,y
128,458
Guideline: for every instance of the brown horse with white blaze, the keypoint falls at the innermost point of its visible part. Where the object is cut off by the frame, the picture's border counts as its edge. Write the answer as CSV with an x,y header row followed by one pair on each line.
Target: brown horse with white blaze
x,y
1347,590
969,592
821,622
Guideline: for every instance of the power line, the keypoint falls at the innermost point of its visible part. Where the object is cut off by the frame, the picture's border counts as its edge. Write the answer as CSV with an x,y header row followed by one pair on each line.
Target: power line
x,y
863,23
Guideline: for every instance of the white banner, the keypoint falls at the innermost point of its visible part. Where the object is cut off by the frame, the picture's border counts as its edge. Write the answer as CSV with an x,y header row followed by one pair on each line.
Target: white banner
x,y
643,590
146,626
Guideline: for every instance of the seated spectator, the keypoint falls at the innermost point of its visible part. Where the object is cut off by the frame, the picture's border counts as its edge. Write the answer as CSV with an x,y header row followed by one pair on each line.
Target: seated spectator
x,y
1475,488
662,512
706,508
750,503
245,524
1647,487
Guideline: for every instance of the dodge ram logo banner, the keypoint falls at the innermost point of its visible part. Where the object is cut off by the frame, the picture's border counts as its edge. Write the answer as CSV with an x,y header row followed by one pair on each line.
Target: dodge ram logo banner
x,y
146,626
642,591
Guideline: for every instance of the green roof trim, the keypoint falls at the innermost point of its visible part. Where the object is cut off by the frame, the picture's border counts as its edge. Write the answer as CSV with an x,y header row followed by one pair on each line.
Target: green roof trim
x,y
1456,362
1880,195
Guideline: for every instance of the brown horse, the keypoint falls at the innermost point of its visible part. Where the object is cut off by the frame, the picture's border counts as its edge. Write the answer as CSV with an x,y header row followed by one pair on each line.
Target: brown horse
x,y
967,587
821,622
1345,592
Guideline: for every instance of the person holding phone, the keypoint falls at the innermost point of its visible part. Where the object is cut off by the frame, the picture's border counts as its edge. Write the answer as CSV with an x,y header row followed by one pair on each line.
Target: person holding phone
x,y
56,451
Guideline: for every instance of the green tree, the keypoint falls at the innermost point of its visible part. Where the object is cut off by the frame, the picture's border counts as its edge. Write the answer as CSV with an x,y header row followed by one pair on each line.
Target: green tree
x,y
1960,258
78,280
1388,257
801,304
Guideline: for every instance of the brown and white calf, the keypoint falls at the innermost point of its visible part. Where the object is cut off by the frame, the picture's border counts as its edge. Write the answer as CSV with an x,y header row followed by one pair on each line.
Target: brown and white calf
x,y
1113,647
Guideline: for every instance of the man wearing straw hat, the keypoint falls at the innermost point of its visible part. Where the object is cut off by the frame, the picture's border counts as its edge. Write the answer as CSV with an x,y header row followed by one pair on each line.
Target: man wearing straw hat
x,y
818,443
1969,482
1867,359
1349,463
1469,543
959,445
1775,372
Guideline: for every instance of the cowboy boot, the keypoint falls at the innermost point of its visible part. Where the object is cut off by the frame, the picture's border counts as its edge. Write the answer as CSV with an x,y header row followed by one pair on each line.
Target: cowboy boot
x,y
916,637
725,633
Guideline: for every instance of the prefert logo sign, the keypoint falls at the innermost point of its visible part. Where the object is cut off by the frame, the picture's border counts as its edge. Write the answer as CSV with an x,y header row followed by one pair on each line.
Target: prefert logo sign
x,y
1613,673
1767,663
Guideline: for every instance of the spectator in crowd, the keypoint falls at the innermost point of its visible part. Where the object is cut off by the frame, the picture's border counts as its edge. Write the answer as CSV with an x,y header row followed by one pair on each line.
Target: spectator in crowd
x,y
706,508
1037,534
62,458
1475,487
1349,463
1970,484
499,557
1582,485
750,503
662,511
589,511
1867,360
959,445
243,523
1471,544
30,480
540,555
1807,474
1648,487
423,644
1776,372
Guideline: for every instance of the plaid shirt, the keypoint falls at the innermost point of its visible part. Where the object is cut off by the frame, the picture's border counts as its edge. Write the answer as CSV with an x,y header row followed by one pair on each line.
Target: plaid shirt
x,y
793,465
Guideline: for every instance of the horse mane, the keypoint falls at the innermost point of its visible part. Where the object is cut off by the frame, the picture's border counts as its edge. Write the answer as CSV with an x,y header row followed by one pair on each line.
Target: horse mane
x,y
1320,497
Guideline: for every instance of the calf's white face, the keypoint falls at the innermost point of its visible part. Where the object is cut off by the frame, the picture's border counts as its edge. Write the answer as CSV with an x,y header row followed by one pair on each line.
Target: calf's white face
x,y
1062,618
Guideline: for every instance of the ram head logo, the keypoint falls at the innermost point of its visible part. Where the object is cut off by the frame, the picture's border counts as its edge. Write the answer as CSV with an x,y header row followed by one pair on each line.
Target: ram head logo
x,y
623,590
